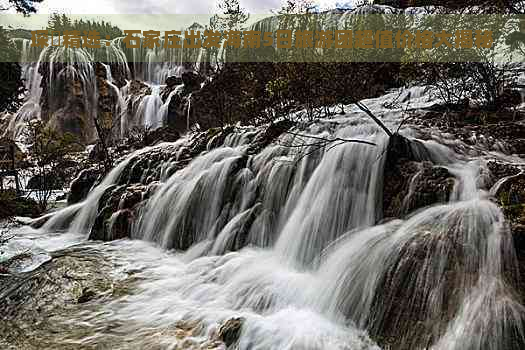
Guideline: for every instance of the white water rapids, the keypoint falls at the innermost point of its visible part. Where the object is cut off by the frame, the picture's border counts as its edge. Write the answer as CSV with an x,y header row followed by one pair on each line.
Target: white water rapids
x,y
317,269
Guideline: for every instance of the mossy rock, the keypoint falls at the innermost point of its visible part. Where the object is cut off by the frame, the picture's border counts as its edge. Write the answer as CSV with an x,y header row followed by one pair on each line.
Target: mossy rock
x,y
511,197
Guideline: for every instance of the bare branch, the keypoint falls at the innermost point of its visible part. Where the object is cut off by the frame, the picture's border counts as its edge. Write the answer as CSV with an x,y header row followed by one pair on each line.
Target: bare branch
x,y
325,140
374,118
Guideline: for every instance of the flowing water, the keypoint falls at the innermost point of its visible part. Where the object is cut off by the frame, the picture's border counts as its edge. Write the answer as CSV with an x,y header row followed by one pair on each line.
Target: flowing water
x,y
292,240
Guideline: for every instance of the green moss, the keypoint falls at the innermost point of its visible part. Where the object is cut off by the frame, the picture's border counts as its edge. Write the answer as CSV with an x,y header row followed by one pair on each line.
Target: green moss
x,y
515,212
212,132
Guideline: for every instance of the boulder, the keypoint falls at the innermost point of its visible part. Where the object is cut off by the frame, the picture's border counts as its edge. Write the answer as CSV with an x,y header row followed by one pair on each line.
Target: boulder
x,y
511,197
410,179
271,133
414,185
117,210
82,184
162,134
173,81
177,118
191,81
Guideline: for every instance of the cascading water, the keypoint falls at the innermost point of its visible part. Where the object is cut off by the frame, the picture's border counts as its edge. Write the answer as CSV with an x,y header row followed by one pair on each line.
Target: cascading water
x,y
292,243
79,218
49,69
31,108
149,109
62,71
289,237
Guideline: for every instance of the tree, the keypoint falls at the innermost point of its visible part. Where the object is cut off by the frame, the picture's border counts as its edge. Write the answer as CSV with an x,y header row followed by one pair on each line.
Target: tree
x,y
12,87
60,22
232,18
297,7
48,153
54,22
10,71
66,23
22,6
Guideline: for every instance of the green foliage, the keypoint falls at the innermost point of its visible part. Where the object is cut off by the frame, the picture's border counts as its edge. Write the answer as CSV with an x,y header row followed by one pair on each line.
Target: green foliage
x,y
276,87
12,86
48,146
48,154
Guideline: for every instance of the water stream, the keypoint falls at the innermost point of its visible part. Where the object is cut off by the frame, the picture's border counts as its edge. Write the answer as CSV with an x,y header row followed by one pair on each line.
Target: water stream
x,y
316,268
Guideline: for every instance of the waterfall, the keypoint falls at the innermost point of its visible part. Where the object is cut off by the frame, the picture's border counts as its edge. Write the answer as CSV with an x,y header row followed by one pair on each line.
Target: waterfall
x,y
149,109
287,234
80,217
290,235
31,108
279,236
341,194
188,113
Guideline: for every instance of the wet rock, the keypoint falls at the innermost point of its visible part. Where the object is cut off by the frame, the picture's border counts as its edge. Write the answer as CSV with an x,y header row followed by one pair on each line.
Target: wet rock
x,y
230,330
410,179
147,167
173,81
401,149
512,191
36,305
271,133
107,99
178,106
119,74
415,185
108,205
216,136
131,197
64,105
82,184
120,224
97,153
499,170
503,131
73,120
86,295
511,197
117,211
192,82
54,285
137,87
163,134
